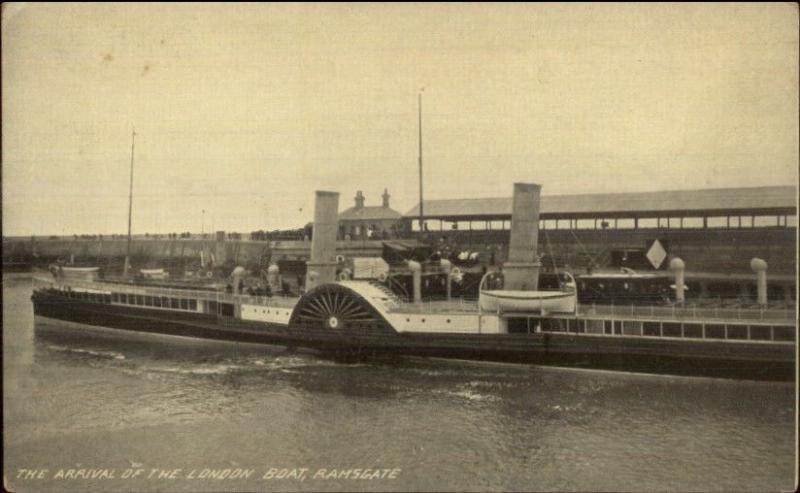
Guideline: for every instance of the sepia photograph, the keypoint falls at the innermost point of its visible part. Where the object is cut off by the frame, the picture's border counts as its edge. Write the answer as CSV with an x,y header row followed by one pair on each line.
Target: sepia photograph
x,y
446,247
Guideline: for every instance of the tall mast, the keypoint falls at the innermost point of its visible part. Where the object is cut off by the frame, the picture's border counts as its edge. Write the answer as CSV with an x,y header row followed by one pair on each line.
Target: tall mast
x,y
130,208
421,210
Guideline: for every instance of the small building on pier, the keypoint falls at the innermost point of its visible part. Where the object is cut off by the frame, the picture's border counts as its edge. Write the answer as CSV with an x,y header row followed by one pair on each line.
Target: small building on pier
x,y
362,222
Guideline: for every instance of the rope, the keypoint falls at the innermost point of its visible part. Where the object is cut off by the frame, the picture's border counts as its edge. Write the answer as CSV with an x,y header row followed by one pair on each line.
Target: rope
x,y
550,249
586,252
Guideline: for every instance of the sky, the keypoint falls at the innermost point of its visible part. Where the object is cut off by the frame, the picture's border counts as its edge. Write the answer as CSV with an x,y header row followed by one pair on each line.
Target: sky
x,y
242,111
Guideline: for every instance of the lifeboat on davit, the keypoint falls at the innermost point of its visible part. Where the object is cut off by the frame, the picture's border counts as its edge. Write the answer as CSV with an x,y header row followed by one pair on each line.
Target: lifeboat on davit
x,y
68,272
501,300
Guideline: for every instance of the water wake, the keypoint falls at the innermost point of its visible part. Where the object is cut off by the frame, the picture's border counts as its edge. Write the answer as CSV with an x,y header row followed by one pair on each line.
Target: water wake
x,y
90,352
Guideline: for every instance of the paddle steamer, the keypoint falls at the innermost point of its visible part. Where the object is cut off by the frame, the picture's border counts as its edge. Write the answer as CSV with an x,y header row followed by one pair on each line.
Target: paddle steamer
x,y
511,321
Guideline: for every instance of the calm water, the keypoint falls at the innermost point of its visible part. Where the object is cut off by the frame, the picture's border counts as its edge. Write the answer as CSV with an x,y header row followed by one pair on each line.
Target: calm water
x,y
96,399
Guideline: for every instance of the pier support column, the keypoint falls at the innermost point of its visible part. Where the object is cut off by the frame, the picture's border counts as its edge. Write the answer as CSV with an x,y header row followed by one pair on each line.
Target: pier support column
x,y
704,289
760,268
744,290
677,266
522,268
323,240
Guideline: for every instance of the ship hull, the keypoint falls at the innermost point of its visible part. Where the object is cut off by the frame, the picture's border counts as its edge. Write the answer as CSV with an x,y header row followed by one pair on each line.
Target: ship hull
x,y
708,358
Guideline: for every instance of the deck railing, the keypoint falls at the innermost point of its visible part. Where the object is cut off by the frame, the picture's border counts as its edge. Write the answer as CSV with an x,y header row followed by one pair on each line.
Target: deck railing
x,y
206,295
636,312
692,312
435,306
622,311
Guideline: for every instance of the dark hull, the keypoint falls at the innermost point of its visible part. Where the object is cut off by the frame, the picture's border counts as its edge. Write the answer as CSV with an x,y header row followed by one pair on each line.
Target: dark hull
x,y
752,360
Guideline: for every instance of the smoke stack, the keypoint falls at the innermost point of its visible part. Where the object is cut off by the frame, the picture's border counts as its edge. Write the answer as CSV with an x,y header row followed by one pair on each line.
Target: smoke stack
x,y
760,268
359,200
522,268
386,197
323,240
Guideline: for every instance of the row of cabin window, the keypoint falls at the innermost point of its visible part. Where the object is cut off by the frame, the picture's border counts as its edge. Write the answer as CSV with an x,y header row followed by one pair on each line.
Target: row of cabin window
x,y
83,295
155,301
667,329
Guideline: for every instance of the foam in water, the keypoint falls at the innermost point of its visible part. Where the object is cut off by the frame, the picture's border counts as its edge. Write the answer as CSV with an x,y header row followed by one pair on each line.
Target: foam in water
x,y
473,396
99,354
220,369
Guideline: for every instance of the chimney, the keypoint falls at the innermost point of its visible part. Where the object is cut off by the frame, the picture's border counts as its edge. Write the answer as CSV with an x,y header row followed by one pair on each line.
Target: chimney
x,y
359,200
386,197
522,268
322,265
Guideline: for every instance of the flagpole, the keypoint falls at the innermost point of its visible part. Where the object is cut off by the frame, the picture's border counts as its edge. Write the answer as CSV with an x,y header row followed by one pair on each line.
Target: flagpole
x,y
421,206
130,208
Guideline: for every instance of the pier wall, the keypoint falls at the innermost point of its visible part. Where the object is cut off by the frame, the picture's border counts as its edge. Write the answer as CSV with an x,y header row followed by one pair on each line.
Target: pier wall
x,y
704,250
247,253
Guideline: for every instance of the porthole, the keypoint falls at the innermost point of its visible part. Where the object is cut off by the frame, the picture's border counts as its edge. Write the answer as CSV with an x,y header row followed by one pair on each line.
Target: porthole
x,y
448,320
408,320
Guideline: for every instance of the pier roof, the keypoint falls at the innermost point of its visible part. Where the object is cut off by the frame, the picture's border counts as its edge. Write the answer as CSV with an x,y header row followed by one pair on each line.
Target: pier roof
x,y
750,200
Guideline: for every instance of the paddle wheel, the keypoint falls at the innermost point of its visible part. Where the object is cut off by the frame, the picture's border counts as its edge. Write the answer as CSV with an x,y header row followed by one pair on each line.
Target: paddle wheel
x,y
335,307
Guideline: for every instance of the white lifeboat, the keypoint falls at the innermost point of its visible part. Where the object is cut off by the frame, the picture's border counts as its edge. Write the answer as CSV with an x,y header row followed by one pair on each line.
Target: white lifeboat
x,y
527,301
503,300
154,273
79,273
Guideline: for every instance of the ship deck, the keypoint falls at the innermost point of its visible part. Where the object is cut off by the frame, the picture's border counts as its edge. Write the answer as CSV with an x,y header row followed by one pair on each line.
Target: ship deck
x,y
694,312
688,312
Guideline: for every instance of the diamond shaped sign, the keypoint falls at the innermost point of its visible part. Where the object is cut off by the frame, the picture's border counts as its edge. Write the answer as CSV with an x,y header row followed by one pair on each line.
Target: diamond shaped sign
x,y
656,254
